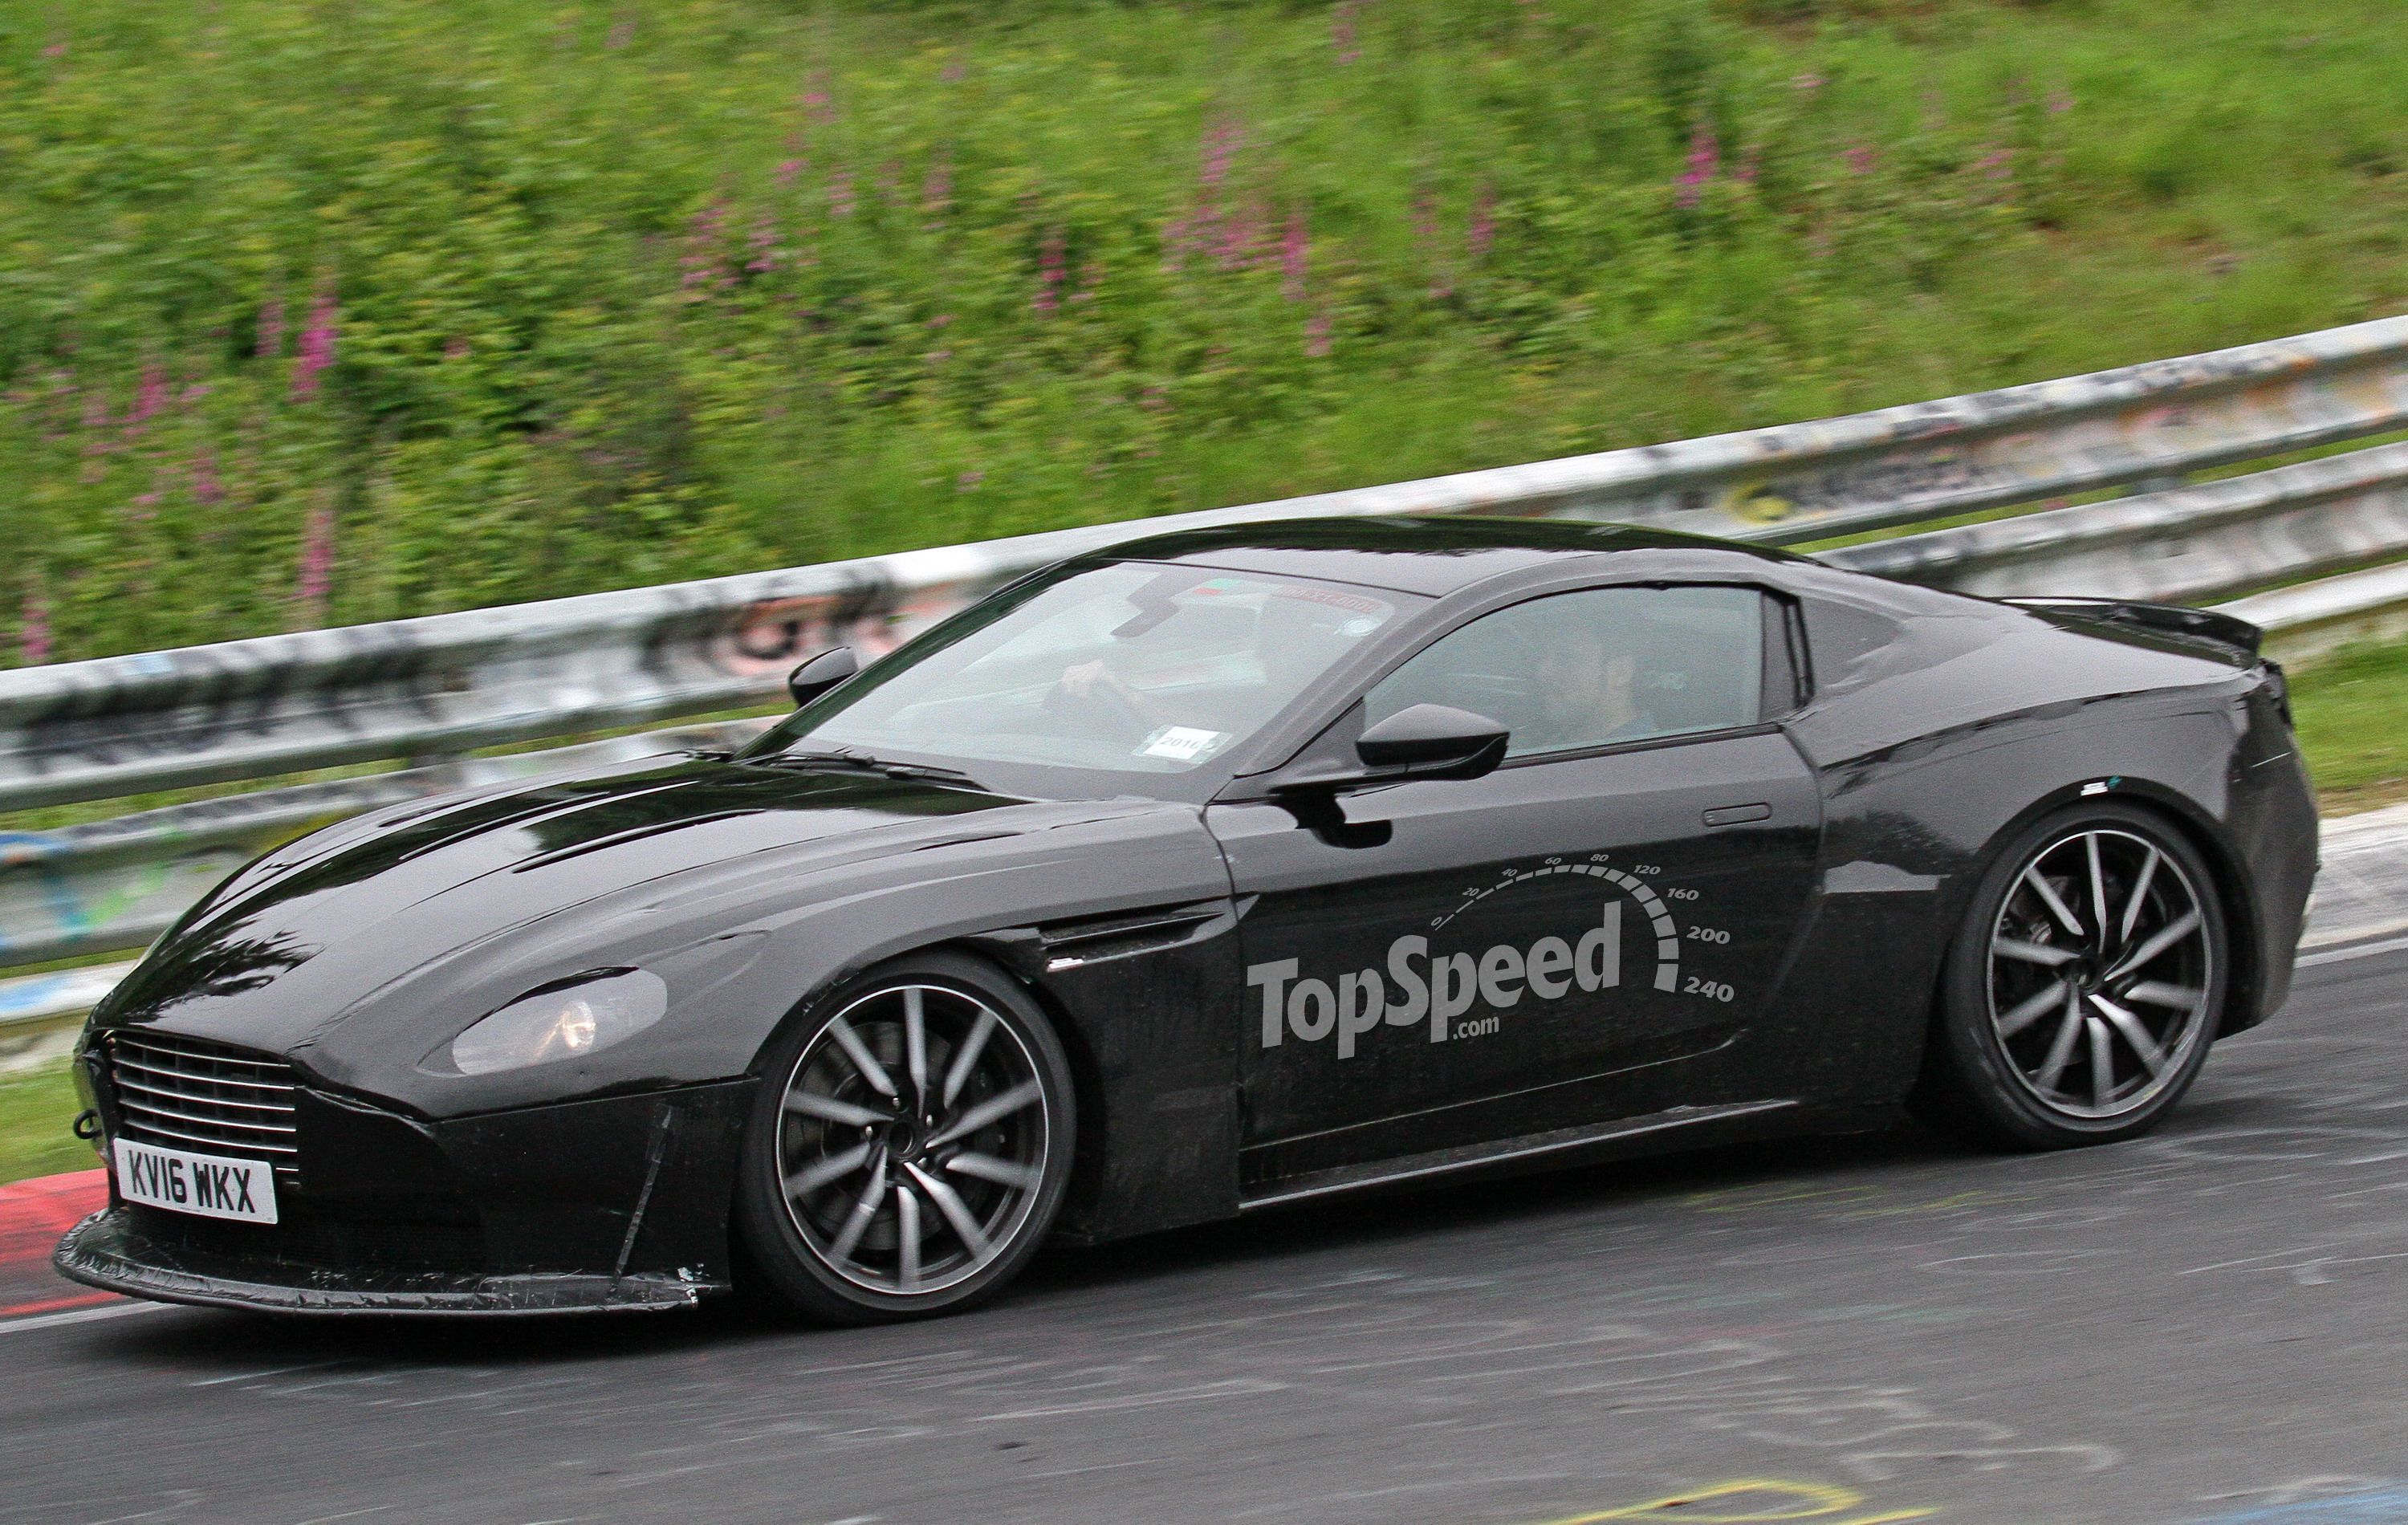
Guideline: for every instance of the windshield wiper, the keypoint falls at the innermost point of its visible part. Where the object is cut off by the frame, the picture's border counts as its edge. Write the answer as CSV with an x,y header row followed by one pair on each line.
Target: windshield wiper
x,y
868,764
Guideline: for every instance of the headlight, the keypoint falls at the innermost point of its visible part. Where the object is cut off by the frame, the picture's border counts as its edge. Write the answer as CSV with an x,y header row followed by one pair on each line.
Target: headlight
x,y
567,1023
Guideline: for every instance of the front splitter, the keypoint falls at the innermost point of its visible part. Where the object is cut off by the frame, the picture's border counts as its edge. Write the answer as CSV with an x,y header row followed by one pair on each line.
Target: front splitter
x,y
106,1252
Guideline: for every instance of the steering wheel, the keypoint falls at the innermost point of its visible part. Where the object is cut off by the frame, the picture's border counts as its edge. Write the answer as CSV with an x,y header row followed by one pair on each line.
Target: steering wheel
x,y
1109,712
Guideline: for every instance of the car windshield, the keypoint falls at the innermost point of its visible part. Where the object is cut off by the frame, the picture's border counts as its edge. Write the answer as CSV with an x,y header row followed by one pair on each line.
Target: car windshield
x,y
1134,669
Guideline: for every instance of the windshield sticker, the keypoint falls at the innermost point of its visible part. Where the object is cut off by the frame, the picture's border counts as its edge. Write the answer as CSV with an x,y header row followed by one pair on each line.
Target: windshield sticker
x,y
1354,602
1182,743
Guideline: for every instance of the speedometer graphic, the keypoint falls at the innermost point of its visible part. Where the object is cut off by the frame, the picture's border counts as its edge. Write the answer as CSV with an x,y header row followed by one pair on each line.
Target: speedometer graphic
x,y
1651,905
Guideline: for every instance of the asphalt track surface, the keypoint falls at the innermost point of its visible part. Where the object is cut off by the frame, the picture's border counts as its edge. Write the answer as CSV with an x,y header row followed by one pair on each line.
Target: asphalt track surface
x,y
2206,1325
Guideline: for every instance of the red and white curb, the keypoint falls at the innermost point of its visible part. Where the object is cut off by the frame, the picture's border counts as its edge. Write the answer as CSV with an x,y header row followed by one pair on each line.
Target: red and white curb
x,y
33,1215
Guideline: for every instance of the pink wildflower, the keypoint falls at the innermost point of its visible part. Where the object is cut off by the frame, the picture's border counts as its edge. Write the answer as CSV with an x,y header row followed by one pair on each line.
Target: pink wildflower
x,y
840,200
1239,234
937,190
456,347
621,34
787,170
1997,164
2060,101
317,566
151,398
1425,234
765,247
1705,161
1049,270
1481,233
271,328
1862,158
34,630
1341,31
203,476
701,264
317,350
1294,250
1806,83
969,481
1316,336
1221,144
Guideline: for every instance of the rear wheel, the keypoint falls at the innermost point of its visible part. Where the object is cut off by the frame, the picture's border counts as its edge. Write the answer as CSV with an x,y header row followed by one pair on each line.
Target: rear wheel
x,y
2084,990
910,1145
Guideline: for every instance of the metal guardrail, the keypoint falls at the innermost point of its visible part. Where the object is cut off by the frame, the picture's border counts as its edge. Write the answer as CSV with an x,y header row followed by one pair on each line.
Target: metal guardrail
x,y
445,684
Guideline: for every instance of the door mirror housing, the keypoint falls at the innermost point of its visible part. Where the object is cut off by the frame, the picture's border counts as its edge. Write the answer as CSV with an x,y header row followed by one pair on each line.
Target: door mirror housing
x,y
1423,742
1434,741
820,672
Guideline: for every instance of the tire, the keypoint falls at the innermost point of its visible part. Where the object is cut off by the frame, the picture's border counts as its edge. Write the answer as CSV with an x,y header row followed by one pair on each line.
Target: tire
x,y
2057,1027
854,1208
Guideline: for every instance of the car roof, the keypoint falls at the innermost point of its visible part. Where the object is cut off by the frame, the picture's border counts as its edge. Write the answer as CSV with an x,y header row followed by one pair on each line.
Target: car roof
x,y
1434,556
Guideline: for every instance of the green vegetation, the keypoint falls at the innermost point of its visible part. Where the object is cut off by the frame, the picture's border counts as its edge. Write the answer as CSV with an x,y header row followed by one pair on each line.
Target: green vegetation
x,y
2351,709
322,314
36,1108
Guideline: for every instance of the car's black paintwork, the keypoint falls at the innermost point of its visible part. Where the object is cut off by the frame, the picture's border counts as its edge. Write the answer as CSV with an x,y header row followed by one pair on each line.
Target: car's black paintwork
x,y
1930,726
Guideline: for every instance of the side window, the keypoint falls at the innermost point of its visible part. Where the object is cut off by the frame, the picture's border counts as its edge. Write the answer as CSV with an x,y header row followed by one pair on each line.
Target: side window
x,y
1590,669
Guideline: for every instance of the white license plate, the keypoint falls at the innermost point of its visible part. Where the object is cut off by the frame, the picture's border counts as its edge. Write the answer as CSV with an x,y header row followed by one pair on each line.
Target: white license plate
x,y
210,1186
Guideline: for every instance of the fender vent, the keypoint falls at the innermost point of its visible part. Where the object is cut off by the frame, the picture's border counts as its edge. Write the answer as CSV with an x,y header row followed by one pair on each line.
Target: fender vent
x,y
1070,943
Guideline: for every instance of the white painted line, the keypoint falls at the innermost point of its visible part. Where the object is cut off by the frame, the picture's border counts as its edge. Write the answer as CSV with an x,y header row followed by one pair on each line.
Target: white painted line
x,y
77,1316
2353,934
2362,950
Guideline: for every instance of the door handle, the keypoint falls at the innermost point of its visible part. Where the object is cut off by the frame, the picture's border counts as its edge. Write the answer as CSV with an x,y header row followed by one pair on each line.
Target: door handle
x,y
1736,814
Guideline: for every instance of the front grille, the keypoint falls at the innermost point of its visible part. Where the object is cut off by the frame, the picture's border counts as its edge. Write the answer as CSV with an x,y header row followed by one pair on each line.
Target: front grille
x,y
191,1093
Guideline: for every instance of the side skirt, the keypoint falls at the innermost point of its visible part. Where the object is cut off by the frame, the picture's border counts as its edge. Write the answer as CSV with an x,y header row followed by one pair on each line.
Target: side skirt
x,y
1529,1146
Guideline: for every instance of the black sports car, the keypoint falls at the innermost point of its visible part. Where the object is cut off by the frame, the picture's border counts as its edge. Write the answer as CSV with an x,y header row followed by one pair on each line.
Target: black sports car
x,y
1225,870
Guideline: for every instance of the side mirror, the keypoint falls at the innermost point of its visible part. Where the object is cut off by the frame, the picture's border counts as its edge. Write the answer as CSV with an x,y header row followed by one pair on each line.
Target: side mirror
x,y
1433,741
821,672
1425,741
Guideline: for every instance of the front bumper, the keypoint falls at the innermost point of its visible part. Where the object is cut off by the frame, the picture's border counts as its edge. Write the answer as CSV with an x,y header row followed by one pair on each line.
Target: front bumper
x,y
618,1202
109,1251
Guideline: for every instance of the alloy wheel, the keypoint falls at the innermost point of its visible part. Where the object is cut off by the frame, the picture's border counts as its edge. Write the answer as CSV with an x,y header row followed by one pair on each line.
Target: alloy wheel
x,y
2100,965
914,1138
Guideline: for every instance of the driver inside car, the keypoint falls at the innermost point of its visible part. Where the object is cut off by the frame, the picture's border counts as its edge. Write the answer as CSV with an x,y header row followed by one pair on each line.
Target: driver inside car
x,y
1587,694
1289,636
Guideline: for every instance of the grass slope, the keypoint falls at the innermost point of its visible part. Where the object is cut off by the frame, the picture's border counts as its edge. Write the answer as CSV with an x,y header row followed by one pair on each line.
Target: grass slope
x,y
37,1108
2352,711
328,314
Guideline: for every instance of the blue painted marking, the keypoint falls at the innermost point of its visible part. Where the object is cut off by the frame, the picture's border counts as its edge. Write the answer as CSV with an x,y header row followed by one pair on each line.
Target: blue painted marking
x,y
2386,1505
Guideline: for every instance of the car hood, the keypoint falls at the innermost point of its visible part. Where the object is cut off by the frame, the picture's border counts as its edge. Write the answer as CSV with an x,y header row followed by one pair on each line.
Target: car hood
x,y
434,913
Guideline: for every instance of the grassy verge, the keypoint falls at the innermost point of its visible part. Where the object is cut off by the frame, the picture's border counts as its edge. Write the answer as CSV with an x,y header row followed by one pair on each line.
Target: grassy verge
x,y
330,314
36,1108
2352,710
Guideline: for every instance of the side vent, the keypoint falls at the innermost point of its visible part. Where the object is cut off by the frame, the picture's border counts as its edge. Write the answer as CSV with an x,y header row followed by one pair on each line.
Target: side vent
x,y
1089,940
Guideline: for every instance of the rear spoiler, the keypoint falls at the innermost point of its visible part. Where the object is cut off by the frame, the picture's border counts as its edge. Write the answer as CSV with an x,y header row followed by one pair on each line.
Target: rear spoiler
x,y
2159,619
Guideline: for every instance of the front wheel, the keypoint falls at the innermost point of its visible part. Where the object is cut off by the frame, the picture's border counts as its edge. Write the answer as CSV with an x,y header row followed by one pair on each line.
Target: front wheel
x,y
2085,986
910,1145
